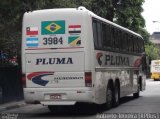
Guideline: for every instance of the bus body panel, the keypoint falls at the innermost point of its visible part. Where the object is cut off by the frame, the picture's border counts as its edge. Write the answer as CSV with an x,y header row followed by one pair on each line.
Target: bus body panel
x,y
55,70
126,68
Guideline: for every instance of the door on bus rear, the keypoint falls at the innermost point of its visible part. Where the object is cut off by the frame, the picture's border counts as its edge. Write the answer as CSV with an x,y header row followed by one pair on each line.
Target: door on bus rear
x,y
53,49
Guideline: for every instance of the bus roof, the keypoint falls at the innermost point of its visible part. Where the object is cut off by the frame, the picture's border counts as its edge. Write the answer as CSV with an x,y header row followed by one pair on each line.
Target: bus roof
x,y
80,9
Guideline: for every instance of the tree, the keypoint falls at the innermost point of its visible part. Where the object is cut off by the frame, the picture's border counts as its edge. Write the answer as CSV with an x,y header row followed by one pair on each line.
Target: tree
x,y
10,26
128,14
144,33
152,52
103,8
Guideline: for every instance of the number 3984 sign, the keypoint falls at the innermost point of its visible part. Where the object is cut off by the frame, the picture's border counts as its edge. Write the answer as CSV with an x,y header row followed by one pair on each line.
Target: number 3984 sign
x,y
52,41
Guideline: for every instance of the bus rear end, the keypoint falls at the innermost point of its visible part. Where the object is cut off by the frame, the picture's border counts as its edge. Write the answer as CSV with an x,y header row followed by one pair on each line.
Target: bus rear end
x,y
54,48
155,69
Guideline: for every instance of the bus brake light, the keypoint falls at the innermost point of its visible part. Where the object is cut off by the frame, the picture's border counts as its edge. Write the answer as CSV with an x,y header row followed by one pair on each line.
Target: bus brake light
x,y
88,79
24,80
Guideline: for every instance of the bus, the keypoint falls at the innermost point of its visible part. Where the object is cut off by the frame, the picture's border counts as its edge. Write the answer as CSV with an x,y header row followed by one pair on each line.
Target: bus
x,y
72,55
155,69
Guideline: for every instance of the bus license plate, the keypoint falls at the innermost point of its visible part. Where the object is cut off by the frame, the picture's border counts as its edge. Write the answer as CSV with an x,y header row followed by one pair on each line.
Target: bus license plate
x,y
55,96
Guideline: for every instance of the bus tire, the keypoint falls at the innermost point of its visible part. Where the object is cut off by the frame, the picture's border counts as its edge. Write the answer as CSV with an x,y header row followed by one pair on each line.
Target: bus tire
x,y
155,79
109,96
136,95
116,97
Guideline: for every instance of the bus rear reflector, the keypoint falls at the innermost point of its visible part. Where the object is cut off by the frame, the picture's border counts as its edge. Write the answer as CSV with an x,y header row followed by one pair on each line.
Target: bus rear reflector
x,y
88,79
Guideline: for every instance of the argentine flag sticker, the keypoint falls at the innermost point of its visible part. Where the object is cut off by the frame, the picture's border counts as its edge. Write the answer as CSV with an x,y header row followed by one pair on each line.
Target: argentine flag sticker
x,y
32,42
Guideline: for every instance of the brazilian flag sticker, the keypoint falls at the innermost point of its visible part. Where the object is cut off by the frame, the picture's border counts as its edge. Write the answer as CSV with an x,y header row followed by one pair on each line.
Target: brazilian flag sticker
x,y
74,40
52,27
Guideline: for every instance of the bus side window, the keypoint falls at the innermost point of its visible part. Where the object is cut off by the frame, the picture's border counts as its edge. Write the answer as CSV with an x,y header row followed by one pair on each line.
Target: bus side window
x,y
109,36
104,38
125,44
116,41
130,43
142,47
95,36
99,31
137,48
113,37
134,45
119,40
137,45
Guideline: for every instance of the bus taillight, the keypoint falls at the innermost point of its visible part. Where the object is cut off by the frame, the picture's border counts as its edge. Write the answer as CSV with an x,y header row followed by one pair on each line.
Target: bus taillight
x,y
88,79
24,80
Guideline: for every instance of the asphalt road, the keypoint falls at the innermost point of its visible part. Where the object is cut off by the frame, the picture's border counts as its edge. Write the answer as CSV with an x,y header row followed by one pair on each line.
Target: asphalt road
x,y
147,106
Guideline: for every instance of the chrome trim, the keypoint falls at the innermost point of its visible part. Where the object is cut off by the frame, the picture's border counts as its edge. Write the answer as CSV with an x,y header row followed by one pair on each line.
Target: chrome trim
x,y
116,68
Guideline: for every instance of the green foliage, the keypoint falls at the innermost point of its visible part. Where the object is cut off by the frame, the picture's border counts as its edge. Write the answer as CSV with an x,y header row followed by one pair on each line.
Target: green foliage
x,y
128,14
103,8
10,30
151,51
144,34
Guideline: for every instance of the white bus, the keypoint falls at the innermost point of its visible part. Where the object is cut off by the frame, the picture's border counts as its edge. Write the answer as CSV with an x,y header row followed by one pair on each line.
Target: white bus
x,y
71,55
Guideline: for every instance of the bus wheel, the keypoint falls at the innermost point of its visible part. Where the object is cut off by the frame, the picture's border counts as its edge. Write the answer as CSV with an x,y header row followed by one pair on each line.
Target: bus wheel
x,y
116,95
155,79
136,95
109,97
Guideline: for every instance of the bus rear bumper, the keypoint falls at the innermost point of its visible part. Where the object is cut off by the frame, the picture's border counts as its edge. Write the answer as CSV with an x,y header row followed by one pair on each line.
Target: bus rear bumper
x,y
155,76
57,96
